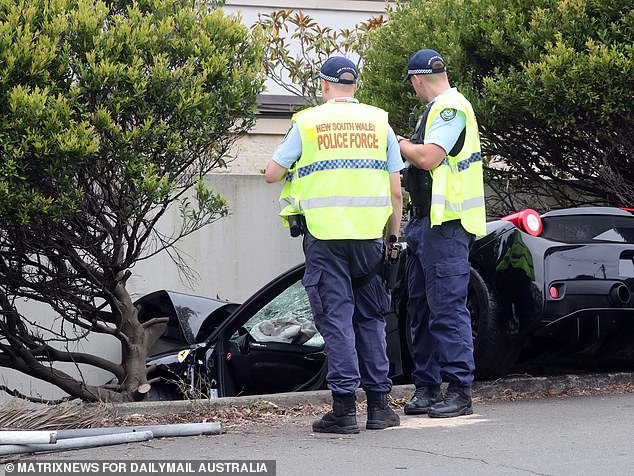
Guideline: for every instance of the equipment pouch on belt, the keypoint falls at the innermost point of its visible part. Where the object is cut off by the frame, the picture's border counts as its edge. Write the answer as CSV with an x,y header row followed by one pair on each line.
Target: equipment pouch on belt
x,y
297,225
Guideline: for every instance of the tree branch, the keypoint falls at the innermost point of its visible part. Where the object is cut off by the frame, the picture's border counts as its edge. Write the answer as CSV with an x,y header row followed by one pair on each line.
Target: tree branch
x,y
16,394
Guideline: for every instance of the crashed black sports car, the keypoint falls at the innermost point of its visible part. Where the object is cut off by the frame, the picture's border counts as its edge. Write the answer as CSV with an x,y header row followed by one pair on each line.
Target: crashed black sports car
x,y
559,283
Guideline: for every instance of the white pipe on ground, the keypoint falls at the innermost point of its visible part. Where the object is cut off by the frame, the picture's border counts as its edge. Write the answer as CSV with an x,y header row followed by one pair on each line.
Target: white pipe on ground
x,y
159,431
78,443
26,437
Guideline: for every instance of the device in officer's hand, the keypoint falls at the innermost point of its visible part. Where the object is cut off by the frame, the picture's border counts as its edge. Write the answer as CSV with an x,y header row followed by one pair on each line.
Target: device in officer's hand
x,y
412,120
392,260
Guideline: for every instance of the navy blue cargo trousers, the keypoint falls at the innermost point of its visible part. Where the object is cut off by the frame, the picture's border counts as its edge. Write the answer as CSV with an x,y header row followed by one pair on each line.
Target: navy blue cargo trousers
x,y
438,279
350,319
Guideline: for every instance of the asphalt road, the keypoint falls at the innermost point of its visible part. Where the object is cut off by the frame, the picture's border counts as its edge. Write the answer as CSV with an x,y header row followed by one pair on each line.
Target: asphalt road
x,y
558,436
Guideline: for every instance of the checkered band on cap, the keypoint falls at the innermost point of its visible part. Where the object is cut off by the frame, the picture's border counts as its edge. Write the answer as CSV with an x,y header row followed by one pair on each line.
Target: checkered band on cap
x,y
332,79
334,67
423,61
420,71
325,77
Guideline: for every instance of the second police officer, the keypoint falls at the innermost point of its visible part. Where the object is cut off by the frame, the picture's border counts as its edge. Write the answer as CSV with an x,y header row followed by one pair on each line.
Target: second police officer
x,y
446,188
344,163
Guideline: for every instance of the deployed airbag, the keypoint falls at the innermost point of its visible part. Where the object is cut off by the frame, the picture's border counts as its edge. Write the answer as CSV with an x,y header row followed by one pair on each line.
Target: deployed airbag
x,y
287,329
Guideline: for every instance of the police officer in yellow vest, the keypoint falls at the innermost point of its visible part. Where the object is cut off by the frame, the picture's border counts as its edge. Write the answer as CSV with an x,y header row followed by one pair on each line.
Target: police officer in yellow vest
x,y
447,210
345,183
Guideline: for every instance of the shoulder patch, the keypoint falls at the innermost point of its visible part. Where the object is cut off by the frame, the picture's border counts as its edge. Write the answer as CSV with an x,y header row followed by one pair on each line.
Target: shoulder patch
x,y
448,114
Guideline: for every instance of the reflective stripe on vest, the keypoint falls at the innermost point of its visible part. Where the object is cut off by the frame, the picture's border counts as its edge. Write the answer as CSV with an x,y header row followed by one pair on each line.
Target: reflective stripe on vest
x,y
457,207
341,183
288,201
457,182
344,202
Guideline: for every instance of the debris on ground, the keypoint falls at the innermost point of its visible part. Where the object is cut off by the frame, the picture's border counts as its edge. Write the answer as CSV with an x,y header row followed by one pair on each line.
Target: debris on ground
x,y
19,414
510,395
231,417
236,419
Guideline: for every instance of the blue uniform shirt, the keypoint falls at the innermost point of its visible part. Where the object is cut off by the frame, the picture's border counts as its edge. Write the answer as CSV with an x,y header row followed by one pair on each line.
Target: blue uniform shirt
x,y
446,127
290,149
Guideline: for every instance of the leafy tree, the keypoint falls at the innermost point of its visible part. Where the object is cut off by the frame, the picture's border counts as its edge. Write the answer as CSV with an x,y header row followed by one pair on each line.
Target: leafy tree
x,y
551,82
111,112
297,46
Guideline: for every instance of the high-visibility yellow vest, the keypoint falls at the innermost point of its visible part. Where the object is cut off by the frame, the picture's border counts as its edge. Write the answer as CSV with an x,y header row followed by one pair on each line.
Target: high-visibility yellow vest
x,y
340,183
457,183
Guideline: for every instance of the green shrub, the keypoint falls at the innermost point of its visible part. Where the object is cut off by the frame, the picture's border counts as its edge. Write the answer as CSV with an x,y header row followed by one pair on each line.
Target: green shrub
x,y
552,83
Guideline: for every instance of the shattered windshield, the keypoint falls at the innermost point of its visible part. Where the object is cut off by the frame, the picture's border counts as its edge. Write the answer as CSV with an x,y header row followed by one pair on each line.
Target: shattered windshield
x,y
287,318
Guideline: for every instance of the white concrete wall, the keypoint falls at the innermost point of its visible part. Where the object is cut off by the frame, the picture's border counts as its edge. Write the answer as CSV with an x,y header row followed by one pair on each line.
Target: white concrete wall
x,y
234,256
43,315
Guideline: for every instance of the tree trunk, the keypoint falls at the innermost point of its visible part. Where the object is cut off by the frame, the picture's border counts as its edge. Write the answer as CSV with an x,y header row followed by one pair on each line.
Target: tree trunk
x,y
134,350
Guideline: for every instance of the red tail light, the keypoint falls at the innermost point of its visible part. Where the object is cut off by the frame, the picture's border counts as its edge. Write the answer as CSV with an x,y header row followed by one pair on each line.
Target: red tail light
x,y
628,209
526,220
557,291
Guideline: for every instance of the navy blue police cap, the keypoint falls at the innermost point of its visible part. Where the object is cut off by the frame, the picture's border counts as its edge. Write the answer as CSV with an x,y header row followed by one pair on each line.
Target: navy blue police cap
x,y
421,63
334,67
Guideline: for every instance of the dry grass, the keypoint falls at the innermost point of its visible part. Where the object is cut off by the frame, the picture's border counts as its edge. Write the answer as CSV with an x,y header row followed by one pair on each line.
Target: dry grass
x,y
22,415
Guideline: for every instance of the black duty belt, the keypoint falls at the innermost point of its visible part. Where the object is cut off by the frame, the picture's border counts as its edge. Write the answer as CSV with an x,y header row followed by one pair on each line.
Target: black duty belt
x,y
418,212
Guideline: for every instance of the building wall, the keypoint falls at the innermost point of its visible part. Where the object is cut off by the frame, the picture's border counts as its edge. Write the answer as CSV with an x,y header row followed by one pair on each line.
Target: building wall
x,y
336,14
234,256
252,151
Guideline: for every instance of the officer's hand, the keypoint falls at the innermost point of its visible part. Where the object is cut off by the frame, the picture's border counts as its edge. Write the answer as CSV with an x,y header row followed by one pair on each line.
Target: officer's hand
x,y
386,246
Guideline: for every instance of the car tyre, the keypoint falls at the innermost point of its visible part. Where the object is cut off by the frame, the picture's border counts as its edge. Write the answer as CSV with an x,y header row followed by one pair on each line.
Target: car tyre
x,y
495,352
161,392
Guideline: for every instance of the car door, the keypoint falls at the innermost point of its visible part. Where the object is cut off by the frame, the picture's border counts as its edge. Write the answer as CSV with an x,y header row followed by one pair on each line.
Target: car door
x,y
270,344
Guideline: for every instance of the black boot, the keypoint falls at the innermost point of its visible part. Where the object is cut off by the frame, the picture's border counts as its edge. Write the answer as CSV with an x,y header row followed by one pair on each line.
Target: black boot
x,y
343,417
457,402
380,415
424,397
